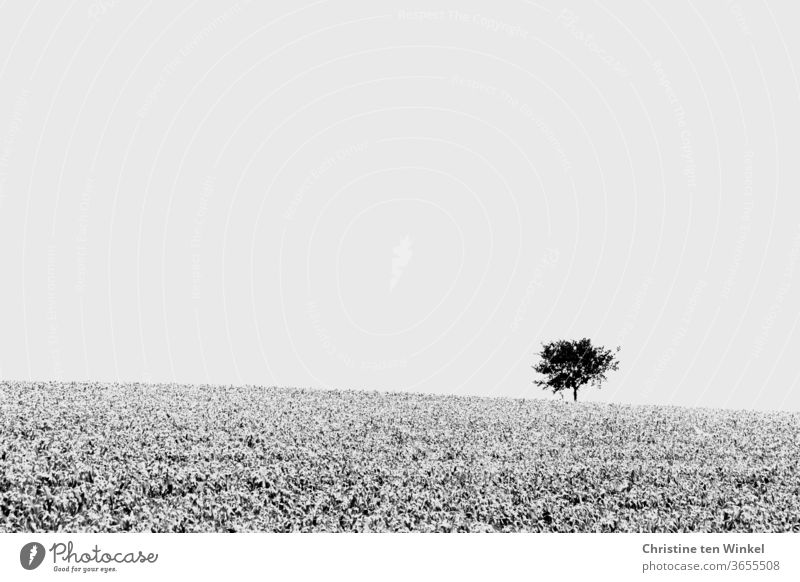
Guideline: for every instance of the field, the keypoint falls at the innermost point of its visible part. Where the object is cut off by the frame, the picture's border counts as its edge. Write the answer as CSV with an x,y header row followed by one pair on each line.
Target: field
x,y
169,458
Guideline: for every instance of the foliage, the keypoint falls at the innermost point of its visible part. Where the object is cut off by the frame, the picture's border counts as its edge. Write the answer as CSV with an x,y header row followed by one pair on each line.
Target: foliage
x,y
570,364
169,458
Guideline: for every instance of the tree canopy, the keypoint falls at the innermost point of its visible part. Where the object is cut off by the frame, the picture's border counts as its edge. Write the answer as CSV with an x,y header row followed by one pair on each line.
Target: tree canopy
x,y
571,364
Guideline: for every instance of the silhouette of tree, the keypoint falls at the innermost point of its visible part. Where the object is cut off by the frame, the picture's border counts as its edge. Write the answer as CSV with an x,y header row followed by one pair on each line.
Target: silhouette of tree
x,y
571,364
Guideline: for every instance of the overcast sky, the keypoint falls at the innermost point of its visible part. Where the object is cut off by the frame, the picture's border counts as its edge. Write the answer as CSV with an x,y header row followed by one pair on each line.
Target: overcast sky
x,y
346,195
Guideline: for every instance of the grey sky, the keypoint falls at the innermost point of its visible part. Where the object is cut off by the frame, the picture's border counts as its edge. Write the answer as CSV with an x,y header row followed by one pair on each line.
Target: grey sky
x,y
351,195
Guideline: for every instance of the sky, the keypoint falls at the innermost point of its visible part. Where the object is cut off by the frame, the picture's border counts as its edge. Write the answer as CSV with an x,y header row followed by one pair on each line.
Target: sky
x,y
349,195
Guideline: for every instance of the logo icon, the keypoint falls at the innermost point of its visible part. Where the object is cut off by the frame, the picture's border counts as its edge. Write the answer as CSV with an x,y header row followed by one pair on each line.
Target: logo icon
x,y
31,555
402,257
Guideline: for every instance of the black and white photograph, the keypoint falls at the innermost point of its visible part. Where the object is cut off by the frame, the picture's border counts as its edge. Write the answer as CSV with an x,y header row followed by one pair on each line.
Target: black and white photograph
x,y
381,270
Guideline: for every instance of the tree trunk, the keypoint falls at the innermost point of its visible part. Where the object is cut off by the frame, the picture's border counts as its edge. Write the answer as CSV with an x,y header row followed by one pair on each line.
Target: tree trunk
x,y
575,393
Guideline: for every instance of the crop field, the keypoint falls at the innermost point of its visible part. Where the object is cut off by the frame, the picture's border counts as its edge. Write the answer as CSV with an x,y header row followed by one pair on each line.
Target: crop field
x,y
170,458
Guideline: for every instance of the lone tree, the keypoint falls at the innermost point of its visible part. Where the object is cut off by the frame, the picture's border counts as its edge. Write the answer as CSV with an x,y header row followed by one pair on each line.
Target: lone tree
x,y
569,364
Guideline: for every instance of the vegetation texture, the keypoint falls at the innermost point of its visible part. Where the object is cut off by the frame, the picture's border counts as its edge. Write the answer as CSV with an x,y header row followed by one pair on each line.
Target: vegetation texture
x,y
168,458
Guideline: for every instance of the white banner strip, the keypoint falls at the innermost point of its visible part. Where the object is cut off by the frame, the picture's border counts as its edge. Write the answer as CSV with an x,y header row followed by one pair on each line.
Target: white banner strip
x,y
371,557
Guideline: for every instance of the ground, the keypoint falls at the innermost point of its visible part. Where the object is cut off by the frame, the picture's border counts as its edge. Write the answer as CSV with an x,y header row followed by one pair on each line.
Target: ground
x,y
171,458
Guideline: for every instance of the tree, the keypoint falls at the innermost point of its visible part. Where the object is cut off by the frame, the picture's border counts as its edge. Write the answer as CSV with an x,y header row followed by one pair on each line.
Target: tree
x,y
570,364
